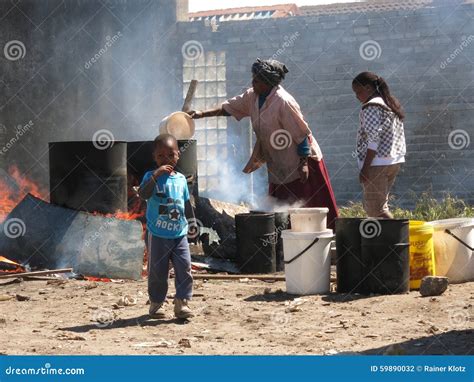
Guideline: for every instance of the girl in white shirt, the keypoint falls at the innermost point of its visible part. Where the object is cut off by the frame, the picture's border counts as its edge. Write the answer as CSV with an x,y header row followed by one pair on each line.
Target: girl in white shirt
x,y
381,144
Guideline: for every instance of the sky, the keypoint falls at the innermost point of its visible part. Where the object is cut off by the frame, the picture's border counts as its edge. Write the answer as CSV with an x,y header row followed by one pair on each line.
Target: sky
x,y
204,5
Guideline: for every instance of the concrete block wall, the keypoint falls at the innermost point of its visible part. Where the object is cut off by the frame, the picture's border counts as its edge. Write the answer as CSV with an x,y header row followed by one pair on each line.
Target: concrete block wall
x,y
409,48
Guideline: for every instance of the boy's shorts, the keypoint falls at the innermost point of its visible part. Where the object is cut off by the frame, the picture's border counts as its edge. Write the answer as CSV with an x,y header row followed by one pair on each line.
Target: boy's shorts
x,y
379,182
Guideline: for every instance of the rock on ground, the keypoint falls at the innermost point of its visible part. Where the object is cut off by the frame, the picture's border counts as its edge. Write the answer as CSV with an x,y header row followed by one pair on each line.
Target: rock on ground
x,y
433,285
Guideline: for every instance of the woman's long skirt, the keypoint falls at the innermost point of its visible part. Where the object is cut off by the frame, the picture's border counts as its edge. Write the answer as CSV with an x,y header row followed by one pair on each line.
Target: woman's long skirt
x,y
316,192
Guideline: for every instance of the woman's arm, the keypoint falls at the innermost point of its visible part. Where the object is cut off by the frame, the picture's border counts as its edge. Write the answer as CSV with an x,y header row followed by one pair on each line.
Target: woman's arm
x,y
216,112
238,107
304,151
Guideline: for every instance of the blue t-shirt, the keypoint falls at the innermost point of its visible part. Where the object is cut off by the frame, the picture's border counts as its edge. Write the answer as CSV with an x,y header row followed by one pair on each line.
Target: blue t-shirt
x,y
165,208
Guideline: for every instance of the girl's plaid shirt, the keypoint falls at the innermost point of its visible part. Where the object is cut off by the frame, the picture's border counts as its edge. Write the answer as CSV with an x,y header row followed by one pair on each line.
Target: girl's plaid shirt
x,y
380,130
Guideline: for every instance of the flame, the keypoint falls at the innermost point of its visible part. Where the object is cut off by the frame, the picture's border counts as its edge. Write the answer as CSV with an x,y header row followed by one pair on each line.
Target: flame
x,y
101,279
130,215
121,215
9,266
11,193
136,212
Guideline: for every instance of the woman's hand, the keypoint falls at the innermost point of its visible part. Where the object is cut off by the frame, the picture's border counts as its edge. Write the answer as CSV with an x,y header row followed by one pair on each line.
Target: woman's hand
x,y
303,170
195,114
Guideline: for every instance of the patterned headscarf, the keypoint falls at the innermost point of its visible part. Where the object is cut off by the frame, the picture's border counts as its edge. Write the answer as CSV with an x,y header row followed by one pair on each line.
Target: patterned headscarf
x,y
272,72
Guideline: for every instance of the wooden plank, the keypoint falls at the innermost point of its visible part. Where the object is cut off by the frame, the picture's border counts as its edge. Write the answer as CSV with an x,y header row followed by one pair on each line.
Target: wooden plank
x,y
37,273
189,96
216,276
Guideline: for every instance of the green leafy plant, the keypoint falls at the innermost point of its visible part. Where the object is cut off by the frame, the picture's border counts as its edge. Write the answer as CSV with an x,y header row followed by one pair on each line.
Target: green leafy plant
x,y
427,208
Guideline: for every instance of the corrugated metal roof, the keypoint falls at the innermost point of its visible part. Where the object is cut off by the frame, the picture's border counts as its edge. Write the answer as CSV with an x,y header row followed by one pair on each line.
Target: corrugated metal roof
x,y
287,10
246,13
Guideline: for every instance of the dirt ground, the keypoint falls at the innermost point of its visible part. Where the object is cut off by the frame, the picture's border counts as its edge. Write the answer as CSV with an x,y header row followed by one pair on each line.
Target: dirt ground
x,y
232,317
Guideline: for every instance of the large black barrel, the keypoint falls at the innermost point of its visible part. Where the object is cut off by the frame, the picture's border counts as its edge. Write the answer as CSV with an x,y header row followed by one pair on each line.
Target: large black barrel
x,y
372,256
140,158
385,251
351,271
282,222
256,242
89,176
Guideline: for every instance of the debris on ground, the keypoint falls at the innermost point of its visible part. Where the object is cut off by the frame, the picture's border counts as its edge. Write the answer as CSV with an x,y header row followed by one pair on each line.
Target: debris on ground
x,y
70,337
127,300
91,285
184,342
57,282
433,285
162,343
295,305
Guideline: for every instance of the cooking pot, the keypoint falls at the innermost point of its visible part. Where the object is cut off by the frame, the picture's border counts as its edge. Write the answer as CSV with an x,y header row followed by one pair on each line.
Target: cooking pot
x,y
179,124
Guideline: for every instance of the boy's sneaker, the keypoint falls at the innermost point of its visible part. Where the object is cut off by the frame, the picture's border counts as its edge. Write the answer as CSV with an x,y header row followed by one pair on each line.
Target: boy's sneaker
x,y
156,310
181,309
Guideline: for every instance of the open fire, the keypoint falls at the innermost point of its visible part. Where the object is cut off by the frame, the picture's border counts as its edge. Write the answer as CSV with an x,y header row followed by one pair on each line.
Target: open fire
x,y
8,266
14,189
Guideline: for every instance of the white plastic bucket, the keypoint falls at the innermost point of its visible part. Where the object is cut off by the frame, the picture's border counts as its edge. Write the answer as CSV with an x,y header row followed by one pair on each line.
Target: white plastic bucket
x,y
307,273
453,257
308,219
178,124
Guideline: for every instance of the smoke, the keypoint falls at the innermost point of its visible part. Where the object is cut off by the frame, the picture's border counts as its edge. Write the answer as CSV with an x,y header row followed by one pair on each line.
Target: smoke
x,y
248,189
97,65
271,204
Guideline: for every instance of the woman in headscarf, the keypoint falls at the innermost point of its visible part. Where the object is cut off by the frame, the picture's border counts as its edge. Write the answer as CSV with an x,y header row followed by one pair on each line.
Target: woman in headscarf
x,y
296,170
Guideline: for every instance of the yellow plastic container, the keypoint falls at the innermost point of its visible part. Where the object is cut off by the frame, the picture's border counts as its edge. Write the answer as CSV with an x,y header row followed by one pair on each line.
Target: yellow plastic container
x,y
422,259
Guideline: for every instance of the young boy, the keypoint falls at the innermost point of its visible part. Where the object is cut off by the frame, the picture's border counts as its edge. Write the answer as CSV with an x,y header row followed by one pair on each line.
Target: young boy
x,y
167,196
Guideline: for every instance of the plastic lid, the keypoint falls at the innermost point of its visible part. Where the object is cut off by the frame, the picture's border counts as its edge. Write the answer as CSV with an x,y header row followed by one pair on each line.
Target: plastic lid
x,y
323,210
289,234
452,223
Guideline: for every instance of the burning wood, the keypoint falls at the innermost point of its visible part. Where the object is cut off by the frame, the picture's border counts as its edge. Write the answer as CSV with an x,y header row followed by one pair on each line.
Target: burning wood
x,y
100,279
8,266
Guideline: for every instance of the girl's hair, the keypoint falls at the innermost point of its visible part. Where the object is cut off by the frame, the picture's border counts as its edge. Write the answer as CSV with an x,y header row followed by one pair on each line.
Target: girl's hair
x,y
381,89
